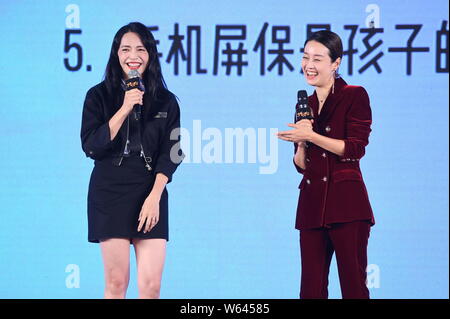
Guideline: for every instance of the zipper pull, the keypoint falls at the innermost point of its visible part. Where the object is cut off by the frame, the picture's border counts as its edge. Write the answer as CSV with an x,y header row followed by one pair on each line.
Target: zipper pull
x,y
126,151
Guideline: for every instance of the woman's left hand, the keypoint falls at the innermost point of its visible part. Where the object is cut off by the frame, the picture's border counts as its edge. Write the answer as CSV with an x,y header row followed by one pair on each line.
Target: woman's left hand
x,y
149,215
302,131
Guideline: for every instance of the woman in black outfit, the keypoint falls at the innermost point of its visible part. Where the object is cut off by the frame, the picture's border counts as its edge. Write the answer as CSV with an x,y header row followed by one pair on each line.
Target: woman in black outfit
x,y
133,136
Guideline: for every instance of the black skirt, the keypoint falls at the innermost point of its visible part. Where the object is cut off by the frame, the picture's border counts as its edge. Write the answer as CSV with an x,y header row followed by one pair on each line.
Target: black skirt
x,y
115,198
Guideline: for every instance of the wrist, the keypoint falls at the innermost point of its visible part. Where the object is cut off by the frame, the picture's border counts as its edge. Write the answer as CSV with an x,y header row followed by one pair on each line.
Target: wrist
x,y
312,137
126,109
154,194
158,186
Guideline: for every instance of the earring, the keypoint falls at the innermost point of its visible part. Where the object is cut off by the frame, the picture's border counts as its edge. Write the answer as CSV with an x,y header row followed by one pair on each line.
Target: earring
x,y
334,80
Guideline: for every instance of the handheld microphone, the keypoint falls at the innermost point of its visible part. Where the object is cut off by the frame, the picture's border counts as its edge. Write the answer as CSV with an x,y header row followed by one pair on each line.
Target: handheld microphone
x,y
302,110
134,81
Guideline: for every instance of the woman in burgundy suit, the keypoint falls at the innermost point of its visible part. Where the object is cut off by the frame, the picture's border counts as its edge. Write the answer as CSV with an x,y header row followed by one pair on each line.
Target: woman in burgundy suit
x,y
333,214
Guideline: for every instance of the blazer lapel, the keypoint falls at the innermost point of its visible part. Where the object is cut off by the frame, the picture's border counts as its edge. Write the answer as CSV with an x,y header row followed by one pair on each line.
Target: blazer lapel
x,y
313,103
332,100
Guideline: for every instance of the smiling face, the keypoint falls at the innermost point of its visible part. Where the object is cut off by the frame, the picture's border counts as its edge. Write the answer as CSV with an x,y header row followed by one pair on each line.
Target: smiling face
x,y
317,66
132,54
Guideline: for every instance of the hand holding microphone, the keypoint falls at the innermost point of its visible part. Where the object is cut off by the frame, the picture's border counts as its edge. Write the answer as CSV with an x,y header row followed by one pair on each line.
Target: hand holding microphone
x,y
302,128
302,110
132,97
134,92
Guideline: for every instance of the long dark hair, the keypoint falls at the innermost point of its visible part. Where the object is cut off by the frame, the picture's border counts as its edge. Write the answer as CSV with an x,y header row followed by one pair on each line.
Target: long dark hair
x,y
152,77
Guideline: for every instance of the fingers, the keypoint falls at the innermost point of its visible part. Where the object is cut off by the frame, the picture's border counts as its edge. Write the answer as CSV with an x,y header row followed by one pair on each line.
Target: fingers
x,y
284,138
305,121
284,134
134,96
304,127
146,223
303,124
137,97
150,223
141,222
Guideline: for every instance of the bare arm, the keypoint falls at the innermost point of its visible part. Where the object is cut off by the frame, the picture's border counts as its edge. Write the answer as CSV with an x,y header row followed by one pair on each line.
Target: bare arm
x,y
131,98
116,121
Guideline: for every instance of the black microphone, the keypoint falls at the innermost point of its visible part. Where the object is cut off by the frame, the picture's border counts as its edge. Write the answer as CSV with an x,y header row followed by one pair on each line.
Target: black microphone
x,y
302,110
134,81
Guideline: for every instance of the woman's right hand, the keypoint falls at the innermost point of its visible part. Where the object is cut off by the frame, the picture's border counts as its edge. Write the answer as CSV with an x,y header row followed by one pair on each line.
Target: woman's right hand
x,y
132,97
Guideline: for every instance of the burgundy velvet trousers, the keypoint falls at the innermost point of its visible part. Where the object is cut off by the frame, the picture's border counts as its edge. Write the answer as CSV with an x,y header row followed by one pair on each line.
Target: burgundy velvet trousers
x,y
317,246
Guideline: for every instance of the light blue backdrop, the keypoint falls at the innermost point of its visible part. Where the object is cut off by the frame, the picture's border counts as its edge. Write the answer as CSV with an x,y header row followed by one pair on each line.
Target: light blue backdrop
x,y
231,228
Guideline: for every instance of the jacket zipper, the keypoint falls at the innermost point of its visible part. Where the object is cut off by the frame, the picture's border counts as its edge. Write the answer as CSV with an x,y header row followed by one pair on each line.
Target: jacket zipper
x,y
126,143
146,159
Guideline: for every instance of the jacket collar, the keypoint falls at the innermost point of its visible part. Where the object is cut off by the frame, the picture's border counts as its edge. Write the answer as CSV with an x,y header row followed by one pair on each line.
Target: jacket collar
x,y
330,102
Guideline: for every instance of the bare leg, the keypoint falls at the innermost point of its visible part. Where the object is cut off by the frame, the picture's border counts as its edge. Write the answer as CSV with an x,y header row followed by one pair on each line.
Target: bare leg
x,y
116,261
150,256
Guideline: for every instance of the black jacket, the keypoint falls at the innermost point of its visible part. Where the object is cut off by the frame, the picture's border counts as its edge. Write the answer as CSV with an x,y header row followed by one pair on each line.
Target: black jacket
x,y
160,133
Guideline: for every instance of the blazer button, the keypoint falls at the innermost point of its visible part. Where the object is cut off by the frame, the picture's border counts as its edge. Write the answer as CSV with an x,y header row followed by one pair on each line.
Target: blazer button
x,y
308,181
324,154
324,179
90,152
328,128
307,159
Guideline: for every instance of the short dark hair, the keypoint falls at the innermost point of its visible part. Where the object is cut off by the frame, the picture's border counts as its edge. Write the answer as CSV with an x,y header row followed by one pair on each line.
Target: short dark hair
x,y
152,77
330,40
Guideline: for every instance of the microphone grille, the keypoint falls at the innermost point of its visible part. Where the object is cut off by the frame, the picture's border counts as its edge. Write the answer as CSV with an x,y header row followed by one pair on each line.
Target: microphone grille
x,y
302,94
134,74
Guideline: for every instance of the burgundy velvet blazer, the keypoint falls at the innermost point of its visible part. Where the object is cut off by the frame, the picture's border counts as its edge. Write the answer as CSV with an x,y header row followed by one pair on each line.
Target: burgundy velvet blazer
x,y
332,189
